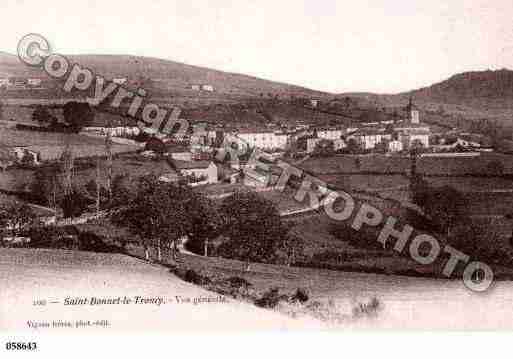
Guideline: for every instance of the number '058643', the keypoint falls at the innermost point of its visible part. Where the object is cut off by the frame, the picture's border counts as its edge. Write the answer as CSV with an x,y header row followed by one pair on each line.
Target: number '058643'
x,y
20,346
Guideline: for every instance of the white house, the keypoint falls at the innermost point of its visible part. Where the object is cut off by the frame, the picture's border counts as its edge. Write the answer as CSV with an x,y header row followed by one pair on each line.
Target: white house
x,y
204,171
113,131
260,139
311,143
180,153
419,136
120,81
22,152
395,146
34,82
369,138
330,134
208,88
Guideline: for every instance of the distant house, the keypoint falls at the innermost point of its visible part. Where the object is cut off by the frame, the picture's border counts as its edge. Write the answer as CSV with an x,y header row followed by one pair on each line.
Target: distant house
x,y
18,82
314,103
369,138
178,152
34,82
228,174
196,87
395,146
263,139
121,131
208,88
418,136
4,82
169,177
120,80
311,143
204,171
27,156
330,133
339,144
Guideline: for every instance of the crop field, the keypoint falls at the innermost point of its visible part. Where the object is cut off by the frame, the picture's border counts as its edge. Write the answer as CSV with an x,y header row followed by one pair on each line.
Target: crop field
x,y
472,184
51,145
456,166
362,182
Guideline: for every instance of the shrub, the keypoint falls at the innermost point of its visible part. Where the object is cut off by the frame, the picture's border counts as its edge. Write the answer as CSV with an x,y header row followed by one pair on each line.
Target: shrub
x,y
194,277
365,238
367,309
89,241
271,298
238,282
300,296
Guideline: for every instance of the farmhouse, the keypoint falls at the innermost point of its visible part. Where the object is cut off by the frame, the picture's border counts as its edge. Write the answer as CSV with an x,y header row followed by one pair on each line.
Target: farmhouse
x,y
207,87
17,82
368,138
34,82
120,80
178,152
205,171
418,136
330,134
263,139
121,131
24,154
395,146
311,143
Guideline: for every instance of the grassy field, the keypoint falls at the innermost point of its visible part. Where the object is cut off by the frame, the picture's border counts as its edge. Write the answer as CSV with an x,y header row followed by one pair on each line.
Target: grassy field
x,y
407,303
51,145
53,275
381,164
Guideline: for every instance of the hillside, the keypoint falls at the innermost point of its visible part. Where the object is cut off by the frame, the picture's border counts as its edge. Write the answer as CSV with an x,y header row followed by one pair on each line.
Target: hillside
x,y
27,275
166,76
460,100
479,89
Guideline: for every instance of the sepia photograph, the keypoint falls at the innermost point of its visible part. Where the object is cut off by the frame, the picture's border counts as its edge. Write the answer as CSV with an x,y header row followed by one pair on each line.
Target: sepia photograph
x,y
182,167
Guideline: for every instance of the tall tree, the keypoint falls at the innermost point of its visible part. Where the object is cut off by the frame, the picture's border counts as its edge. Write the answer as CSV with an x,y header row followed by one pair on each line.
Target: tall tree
x,y
67,167
108,155
78,115
17,217
42,115
205,224
253,227
158,214
446,207
46,188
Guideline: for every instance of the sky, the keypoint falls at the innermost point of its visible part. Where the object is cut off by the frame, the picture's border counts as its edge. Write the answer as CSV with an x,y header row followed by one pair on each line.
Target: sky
x,y
382,46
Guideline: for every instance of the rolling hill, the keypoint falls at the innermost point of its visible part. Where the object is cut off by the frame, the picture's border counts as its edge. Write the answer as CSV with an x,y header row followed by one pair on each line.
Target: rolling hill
x,y
481,93
167,76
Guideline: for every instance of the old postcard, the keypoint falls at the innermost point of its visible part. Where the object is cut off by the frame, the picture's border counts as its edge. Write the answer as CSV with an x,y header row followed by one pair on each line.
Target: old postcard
x,y
239,166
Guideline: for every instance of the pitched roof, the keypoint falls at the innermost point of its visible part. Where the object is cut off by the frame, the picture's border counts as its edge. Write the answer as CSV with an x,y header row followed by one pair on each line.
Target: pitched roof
x,y
190,165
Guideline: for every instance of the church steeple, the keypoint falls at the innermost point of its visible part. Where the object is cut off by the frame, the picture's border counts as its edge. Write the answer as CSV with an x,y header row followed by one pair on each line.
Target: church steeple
x,y
413,113
409,108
